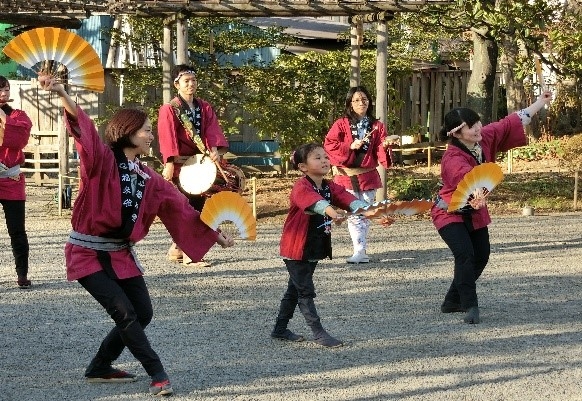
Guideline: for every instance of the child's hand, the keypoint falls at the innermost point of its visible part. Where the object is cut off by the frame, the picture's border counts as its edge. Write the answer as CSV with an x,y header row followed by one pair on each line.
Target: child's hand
x,y
340,217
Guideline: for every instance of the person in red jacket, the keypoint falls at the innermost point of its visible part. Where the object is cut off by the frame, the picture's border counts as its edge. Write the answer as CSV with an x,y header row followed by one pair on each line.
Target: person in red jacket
x,y
306,238
15,129
176,137
118,202
356,144
465,231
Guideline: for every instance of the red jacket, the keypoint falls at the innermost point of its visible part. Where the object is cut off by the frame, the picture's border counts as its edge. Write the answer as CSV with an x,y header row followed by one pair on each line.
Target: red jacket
x,y
297,222
16,135
337,146
175,140
500,136
97,209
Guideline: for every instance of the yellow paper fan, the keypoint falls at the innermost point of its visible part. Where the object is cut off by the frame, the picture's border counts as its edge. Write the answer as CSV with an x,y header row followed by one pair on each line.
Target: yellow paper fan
x,y
486,175
63,47
230,206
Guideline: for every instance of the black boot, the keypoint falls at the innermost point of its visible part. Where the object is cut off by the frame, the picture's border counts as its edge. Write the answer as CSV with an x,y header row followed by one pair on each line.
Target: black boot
x,y
320,336
286,310
283,333
472,315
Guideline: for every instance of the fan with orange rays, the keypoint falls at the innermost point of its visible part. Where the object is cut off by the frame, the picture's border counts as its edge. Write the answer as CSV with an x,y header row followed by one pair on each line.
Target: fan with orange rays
x,y
384,210
229,206
477,184
60,48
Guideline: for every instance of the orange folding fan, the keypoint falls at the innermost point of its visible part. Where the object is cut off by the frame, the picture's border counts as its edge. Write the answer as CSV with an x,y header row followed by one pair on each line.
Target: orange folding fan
x,y
478,182
229,206
65,49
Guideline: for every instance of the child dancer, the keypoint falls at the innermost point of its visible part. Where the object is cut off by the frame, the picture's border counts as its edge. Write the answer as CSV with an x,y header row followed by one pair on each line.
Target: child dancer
x,y
306,239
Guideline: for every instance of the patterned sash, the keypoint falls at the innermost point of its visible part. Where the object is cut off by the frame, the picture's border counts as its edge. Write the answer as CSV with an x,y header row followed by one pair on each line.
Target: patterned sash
x,y
190,119
362,126
129,201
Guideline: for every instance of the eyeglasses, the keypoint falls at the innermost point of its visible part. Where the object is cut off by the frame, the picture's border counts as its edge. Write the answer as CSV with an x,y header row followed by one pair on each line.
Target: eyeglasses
x,y
362,100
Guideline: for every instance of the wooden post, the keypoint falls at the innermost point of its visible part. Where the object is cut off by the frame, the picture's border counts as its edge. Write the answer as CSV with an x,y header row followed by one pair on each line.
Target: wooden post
x,y
576,188
182,40
167,62
356,35
381,95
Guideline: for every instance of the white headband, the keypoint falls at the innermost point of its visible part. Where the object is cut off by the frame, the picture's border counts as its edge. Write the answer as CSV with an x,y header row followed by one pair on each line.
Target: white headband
x,y
451,132
184,73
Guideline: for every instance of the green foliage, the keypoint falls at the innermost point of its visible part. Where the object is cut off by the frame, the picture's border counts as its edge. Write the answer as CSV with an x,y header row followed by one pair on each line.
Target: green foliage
x,y
296,99
402,185
540,150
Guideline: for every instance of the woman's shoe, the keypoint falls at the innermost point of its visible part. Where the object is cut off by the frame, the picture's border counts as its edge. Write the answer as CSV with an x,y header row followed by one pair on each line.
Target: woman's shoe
x,y
24,283
359,257
162,387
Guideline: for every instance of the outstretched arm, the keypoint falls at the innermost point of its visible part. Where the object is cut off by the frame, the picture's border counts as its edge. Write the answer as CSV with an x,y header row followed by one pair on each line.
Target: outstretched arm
x,y
48,83
528,112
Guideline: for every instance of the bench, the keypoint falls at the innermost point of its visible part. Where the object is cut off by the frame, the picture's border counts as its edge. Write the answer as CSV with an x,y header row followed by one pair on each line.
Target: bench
x,y
255,157
410,153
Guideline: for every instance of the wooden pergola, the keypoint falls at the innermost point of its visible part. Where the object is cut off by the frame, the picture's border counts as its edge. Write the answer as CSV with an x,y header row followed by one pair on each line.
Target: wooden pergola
x,y
69,14
39,12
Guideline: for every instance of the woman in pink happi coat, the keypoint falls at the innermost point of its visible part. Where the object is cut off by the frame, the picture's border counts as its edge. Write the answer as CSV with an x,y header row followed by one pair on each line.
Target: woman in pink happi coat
x,y
117,203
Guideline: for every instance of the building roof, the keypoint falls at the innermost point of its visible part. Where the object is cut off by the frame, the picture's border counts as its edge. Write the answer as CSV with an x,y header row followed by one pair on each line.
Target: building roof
x,y
303,27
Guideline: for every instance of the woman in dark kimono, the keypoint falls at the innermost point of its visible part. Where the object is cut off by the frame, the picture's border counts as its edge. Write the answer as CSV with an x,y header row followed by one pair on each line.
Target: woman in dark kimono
x,y
119,199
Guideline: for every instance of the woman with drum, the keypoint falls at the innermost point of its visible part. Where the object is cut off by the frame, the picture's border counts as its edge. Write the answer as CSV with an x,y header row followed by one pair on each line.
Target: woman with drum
x,y
189,134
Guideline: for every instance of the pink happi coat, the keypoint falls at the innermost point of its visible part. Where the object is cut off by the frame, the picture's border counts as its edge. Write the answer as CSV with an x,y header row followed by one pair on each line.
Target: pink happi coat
x,y
337,146
97,209
499,136
175,140
16,136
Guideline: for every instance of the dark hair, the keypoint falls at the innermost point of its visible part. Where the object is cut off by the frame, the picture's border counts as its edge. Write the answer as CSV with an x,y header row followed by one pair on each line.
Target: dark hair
x,y
456,117
181,68
124,124
349,111
300,154
4,82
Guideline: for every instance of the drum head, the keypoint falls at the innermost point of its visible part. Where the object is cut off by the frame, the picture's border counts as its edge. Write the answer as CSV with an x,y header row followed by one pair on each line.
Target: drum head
x,y
197,174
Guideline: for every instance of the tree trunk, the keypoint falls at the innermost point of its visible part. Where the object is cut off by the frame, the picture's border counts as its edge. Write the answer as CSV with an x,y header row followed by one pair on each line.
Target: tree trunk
x,y
514,87
482,82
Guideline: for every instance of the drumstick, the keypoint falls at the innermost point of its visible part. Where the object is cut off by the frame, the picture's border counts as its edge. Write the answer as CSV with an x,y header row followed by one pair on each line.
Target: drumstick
x,y
221,170
540,74
369,133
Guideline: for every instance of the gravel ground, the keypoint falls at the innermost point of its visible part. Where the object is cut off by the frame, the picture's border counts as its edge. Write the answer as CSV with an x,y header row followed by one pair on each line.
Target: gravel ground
x,y
211,325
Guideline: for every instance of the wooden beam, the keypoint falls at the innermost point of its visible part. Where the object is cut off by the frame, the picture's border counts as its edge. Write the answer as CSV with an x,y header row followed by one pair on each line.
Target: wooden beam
x,y
265,8
34,20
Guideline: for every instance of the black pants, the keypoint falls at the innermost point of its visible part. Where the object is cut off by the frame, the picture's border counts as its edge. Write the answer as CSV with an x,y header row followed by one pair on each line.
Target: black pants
x,y
128,303
300,285
14,214
471,251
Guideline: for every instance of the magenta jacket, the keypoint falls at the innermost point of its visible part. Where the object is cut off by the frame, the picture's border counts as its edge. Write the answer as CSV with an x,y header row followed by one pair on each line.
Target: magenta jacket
x,y
500,136
337,146
175,140
16,135
97,209
297,222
